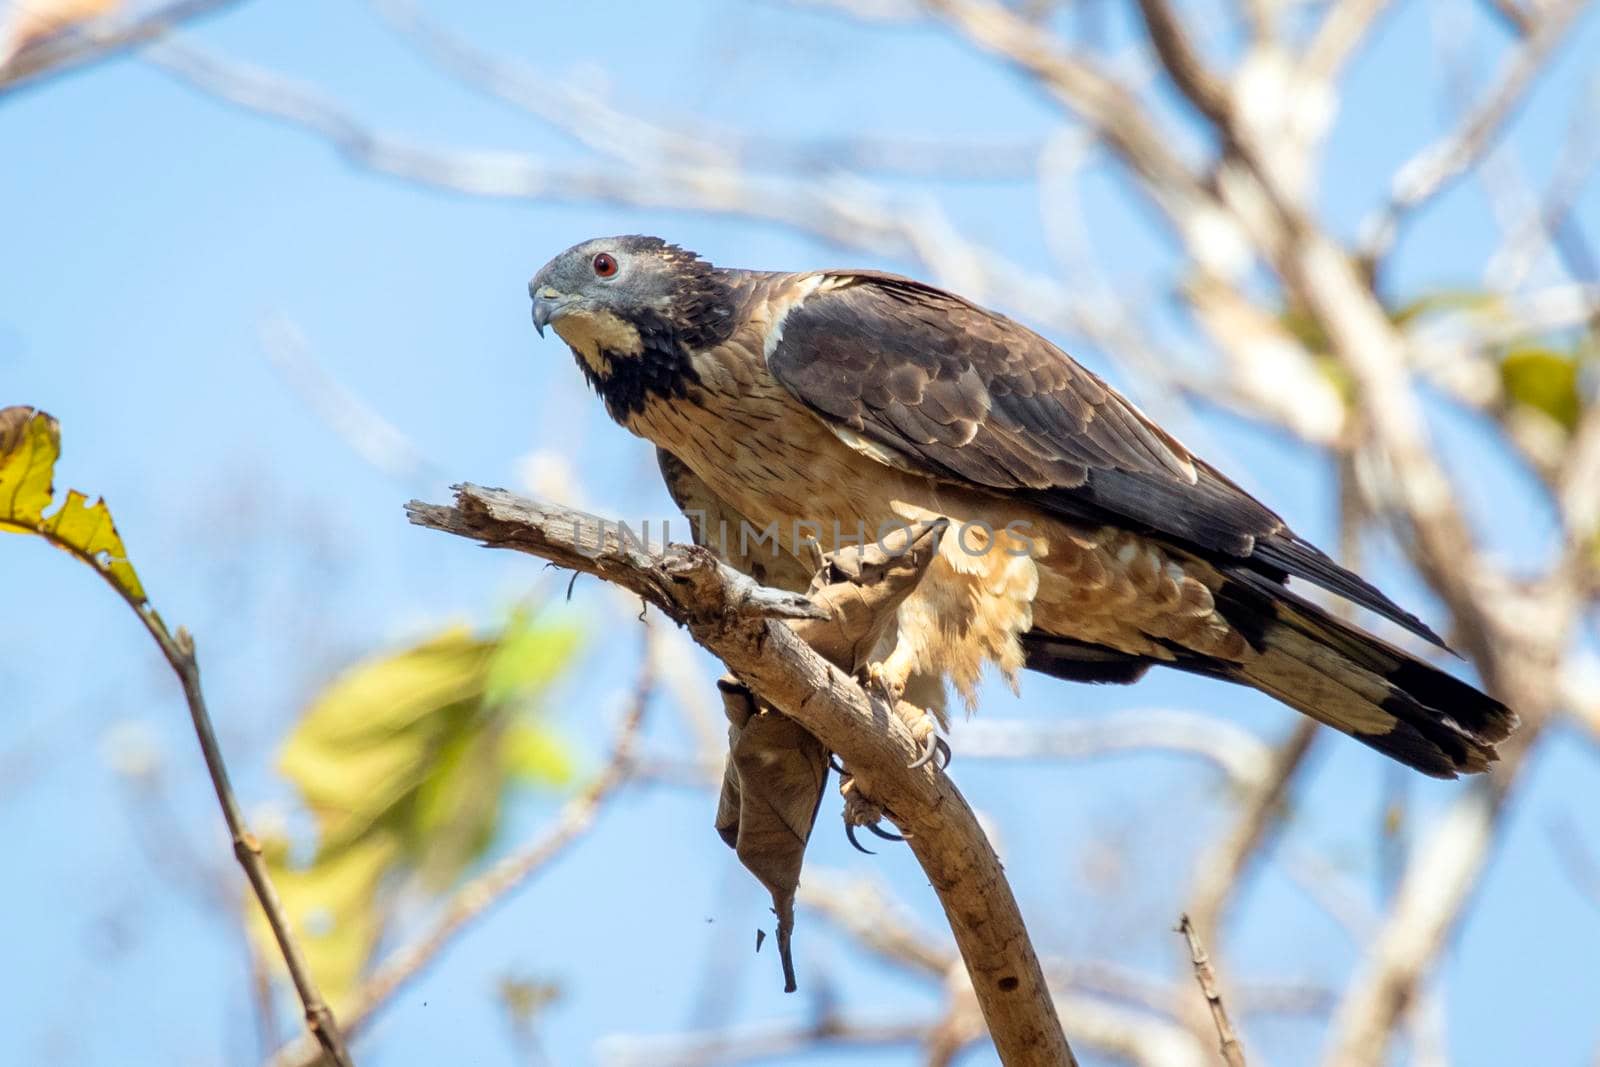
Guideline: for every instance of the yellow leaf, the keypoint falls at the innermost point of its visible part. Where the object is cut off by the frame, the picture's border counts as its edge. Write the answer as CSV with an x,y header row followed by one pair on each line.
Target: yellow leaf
x,y
30,444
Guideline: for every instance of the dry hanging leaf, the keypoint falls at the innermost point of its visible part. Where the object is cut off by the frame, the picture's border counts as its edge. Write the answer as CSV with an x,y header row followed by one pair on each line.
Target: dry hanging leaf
x,y
772,788
773,781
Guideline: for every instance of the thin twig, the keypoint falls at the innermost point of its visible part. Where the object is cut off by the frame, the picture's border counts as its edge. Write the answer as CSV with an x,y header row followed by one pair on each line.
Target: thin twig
x,y
762,1042
1343,28
1183,61
1513,15
1429,902
179,651
861,909
1108,106
1241,756
843,209
1577,859
374,438
1578,494
1548,221
1232,1052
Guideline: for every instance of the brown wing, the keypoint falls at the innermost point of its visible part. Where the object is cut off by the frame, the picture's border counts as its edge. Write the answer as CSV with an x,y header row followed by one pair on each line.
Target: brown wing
x,y
972,397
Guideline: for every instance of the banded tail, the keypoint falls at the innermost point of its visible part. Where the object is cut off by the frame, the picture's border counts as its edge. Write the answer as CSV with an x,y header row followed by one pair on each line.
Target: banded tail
x,y
1347,679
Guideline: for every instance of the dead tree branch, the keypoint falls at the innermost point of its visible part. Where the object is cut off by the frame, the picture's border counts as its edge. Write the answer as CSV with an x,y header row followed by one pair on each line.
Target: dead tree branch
x,y
1244,209
1110,109
596,123
1343,28
1240,755
737,621
759,1043
1434,890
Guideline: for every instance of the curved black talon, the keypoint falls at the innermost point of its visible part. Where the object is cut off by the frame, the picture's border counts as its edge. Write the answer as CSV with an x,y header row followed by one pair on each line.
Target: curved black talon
x,y
850,832
887,835
936,746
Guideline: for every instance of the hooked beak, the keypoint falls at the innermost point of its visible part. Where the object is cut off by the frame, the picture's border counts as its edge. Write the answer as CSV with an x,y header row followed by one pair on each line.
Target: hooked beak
x,y
548,305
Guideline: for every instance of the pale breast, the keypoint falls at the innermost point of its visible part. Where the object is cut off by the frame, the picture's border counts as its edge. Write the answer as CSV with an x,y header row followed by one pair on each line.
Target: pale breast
x,y
758,449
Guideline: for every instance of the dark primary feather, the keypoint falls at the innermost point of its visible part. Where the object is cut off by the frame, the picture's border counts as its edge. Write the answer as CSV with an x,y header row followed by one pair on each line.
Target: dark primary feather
x,y
974,397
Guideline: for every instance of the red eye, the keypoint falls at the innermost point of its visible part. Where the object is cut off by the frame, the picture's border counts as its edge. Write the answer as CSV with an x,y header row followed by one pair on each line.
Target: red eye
x,y
604,265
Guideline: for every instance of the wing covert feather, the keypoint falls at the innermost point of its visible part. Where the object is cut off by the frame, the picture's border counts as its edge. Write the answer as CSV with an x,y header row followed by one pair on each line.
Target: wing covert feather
x,y
969,396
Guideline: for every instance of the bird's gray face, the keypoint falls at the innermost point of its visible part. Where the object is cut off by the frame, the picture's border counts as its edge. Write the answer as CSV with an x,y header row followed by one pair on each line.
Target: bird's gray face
x,y
598,294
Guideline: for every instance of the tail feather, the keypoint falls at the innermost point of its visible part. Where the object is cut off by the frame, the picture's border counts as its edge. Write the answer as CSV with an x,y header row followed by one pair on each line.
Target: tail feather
x,y
1356,683
1391,720
1377,693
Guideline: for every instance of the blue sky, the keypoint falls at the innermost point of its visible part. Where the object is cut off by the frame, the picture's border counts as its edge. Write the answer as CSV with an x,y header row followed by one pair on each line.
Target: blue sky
x,y
150,233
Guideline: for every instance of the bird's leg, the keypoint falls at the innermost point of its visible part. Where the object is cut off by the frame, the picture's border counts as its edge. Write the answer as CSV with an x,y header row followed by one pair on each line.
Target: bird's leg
x,y
890,676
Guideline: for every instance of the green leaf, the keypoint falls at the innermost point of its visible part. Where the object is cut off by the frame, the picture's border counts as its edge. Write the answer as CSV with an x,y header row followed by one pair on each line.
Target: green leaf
x,y
368,740
536,754
405,761
1544,379
528,657
30,444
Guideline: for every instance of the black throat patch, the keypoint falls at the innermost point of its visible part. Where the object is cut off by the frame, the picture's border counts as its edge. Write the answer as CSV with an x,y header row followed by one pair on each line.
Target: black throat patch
x,y
662,369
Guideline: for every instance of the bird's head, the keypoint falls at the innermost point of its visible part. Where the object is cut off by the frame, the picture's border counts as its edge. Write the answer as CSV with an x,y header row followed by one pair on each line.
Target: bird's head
x,y
616,298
